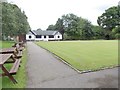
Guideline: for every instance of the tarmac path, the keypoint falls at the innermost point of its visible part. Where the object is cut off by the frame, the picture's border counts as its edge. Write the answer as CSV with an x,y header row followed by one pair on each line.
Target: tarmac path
x,y
46,71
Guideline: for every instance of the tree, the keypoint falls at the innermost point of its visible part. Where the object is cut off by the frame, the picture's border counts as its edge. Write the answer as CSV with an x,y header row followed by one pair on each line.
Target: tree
x,y
98,31
3,0
110,19
60,27
51,27
70,22
14,21
77,27
73,27
116,32
87,32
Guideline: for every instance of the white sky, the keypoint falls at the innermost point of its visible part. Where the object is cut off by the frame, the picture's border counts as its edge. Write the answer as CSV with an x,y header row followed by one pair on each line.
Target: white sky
x,y
42,13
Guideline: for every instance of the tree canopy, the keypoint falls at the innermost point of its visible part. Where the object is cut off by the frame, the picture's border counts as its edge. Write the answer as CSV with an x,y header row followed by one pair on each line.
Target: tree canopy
x,y
73,27
116,32
14,21
110,19
98,31
51,27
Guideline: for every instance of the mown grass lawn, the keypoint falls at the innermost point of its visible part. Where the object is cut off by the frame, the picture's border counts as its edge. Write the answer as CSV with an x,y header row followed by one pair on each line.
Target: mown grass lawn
x,y
85,55
6,44
21,74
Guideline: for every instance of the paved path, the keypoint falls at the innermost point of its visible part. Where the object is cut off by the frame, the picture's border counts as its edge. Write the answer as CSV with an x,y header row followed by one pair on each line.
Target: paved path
x,y
45,71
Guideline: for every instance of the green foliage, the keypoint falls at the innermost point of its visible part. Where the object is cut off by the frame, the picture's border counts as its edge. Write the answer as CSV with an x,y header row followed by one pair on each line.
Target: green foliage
x,y
70,23
51,27
116,32
87,32
117,36
59,26
3,1
110,19
73,27
77,27
99,32
14,21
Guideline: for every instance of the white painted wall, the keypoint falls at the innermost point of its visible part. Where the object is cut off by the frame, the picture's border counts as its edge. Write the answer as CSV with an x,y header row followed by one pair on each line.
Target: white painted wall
x,y
32,37
60,36
46,39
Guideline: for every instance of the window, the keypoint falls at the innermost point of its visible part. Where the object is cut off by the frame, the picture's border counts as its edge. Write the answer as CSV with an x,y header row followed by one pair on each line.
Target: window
x,y
44,36
38,36
51,36
58,36
30,37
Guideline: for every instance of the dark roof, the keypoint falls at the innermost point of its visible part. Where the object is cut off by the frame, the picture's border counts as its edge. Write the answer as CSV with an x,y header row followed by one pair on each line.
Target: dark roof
x,y
31,32
43,32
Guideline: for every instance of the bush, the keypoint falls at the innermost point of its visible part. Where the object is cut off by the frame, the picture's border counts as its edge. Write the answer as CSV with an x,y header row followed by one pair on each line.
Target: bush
x,y
117,36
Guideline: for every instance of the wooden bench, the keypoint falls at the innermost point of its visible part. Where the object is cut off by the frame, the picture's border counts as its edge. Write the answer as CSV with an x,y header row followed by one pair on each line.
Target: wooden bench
x,y
20,44
19,55
20,49
7,50
14,45
15,67
4,58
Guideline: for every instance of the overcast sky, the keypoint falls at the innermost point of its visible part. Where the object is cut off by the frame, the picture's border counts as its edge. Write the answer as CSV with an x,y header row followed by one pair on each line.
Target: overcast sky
x,y
42,13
